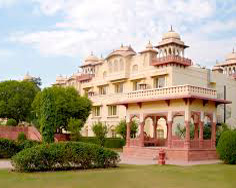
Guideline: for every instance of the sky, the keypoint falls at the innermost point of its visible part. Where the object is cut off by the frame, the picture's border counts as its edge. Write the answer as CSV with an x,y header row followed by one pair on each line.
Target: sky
x,y
48,38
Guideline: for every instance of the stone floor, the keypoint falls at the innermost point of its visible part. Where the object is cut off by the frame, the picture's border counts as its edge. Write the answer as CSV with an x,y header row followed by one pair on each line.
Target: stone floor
x,y
5,164
135,161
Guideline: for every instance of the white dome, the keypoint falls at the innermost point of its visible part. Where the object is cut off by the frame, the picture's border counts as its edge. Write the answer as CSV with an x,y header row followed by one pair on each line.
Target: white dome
x,y
91,58
28,77
149,45
171,35
231,56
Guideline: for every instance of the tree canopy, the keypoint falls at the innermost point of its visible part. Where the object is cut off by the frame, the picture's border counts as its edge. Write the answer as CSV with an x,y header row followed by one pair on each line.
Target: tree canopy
x,y
66,103
16,98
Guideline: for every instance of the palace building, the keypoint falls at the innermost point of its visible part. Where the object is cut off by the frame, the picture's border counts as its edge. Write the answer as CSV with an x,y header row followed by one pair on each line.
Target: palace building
x,y
161,89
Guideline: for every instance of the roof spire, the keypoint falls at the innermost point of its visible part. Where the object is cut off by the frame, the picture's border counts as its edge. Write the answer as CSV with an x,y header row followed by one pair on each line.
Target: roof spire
x,y
122,45
171,28
233,50
92,53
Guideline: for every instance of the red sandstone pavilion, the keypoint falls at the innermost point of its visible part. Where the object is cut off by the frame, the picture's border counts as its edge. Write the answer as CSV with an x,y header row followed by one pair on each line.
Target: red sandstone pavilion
x,y
195,104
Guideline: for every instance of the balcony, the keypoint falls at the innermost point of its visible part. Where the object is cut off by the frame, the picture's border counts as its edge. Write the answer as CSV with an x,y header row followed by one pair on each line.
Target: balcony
x,y
174,91
85,77
171,59
166,93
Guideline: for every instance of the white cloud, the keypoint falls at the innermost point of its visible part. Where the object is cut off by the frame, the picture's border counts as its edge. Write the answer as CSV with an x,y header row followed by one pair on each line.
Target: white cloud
x,y
101,25
7,3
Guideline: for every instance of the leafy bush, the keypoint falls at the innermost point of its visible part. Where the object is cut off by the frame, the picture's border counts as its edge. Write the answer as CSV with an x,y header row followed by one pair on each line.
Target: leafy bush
x,y
11,122
61,156
114,143
26,144
109,142
100,132
220,129
8,148
226,147
121,129
21,137
75,126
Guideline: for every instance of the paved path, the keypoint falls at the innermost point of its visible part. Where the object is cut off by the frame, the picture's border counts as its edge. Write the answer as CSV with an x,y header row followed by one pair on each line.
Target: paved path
x,y
5,164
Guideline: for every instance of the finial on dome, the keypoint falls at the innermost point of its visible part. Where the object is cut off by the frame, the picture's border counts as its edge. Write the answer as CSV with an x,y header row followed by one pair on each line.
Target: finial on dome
x,y
91,52
149,42
171,28
121,45
233,50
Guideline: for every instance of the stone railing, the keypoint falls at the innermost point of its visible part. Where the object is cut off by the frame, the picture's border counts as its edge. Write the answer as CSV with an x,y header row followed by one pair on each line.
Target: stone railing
x,y
177,143
157,93
174,91
172,59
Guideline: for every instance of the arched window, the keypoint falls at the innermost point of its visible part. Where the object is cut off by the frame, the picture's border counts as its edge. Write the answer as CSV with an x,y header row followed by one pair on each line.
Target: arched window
x,y
135,68
115,66
104,74
110,66
122,64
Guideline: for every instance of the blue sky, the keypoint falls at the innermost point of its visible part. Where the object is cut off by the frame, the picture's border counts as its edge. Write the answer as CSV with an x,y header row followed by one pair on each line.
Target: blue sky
x,y
51,37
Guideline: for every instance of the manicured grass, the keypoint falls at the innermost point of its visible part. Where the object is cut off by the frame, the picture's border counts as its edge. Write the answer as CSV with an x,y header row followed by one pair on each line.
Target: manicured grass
x,y
127,176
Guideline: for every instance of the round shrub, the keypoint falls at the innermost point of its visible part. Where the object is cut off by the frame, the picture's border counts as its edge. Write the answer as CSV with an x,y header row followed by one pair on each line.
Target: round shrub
x,y
8,148
11,122
21,137
61,156
226,147
26,144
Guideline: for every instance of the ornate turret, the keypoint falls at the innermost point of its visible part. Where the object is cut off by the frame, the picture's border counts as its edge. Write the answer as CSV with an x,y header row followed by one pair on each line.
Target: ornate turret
x,y
229,65
171,50
149,48
27,77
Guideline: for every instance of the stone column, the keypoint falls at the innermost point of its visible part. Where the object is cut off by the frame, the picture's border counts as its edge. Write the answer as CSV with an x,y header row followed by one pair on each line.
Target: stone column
x,y
169,124
155,130
201,124
195,131
213,135
141,139
187,135
128,134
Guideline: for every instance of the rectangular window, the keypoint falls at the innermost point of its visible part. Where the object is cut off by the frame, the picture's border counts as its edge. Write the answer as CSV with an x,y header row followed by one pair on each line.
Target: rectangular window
x,y
112,110
96,111
119,88
135,86
160,82
103,90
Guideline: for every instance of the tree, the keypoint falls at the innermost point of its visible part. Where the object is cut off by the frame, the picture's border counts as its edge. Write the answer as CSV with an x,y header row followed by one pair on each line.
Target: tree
x,y
75,126
47,116
16,98
66,104
37,81
122,128
100,132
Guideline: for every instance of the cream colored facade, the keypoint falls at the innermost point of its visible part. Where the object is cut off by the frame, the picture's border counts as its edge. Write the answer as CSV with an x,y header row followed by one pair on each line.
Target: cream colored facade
x,y
159,73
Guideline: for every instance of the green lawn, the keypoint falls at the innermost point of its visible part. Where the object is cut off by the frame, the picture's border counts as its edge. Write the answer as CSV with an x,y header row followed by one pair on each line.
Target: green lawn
x,y
204,176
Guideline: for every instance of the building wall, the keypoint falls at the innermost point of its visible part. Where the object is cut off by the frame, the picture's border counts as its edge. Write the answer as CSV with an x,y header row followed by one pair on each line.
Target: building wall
x,y
128,70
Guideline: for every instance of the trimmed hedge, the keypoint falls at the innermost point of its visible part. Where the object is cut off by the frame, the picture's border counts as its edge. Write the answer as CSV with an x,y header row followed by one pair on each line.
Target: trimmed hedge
x,y
226,147
9,148
62,156
109,142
